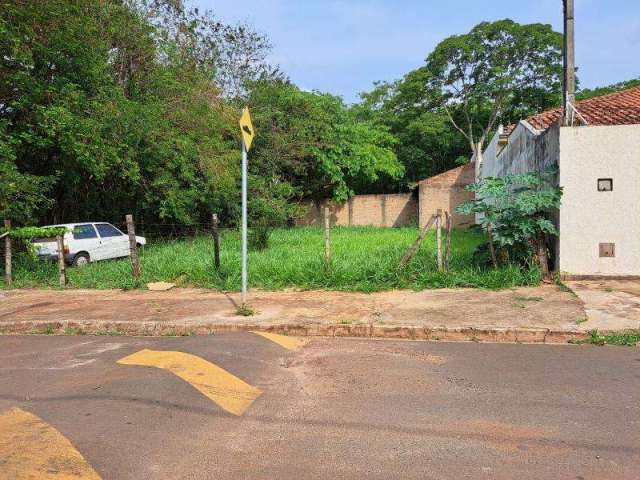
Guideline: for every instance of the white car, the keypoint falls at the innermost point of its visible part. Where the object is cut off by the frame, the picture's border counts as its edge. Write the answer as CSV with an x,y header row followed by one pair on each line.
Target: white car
x,y
88,242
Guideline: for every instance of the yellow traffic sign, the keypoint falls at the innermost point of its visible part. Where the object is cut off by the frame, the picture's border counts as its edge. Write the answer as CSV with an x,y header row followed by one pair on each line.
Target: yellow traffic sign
x,y
246,127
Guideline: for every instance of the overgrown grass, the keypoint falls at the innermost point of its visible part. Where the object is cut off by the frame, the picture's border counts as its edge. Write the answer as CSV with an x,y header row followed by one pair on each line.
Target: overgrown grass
x,y
363,259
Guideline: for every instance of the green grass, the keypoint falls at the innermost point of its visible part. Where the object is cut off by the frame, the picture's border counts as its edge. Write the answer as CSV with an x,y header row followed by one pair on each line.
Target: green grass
x,y
628,339
363,259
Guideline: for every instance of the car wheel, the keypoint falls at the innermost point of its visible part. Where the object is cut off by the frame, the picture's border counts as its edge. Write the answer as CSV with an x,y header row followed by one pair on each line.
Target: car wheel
x,y
81,260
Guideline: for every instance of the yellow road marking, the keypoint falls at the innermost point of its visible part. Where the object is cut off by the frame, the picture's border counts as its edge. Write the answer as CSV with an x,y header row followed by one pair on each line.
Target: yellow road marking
x,y
290,343
215,383
30,448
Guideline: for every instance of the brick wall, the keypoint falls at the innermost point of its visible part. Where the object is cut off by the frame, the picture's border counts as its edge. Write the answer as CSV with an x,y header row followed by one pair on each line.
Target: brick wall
x,y
447,191
390,210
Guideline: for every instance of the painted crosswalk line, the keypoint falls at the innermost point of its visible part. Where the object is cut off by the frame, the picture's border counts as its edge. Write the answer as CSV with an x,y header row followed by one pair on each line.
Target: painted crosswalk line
x,y
290,343
30,448
226,390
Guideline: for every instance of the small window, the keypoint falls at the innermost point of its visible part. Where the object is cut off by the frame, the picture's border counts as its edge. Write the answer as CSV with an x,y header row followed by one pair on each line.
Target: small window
x,y
107,230
605,184
83,232
607,250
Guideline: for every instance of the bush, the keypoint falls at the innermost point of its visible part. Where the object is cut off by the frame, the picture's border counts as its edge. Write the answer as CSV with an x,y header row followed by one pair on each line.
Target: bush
x,y
520,254
259,238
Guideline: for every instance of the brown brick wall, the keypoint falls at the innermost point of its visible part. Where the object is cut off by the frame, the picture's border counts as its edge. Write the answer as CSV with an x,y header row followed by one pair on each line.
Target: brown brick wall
x,y
391,210
447,191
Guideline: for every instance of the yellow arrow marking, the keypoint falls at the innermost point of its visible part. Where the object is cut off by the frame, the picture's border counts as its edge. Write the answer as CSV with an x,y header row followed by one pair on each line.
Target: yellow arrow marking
x,y
215,383
30,448
290,343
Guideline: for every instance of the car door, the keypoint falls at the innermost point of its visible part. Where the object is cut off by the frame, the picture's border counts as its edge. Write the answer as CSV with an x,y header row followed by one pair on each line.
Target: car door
x,y
115,242
85,239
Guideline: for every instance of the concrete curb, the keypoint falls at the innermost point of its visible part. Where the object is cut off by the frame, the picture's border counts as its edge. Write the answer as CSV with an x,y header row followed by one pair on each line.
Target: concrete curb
x,y
154,329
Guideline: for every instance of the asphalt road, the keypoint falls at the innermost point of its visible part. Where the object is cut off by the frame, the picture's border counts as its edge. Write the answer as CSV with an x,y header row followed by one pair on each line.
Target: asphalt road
x,y
236,406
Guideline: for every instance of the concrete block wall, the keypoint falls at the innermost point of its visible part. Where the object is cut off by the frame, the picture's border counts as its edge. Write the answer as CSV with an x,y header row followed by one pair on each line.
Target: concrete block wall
x,y
447,191
389,210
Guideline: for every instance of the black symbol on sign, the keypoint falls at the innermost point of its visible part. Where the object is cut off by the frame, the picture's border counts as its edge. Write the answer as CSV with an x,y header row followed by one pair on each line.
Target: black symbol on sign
x,y
247,130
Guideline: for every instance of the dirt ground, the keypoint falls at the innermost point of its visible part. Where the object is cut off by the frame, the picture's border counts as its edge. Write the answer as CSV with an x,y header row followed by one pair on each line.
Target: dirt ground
x,y
611,306
544,306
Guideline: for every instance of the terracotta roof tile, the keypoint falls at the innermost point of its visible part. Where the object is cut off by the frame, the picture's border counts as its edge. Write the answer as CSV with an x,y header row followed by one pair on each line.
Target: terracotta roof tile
x,y
618,108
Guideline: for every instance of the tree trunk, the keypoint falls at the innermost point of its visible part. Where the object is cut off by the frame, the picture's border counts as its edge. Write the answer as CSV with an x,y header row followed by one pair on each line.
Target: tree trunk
x,y
492,250
543,259
477,151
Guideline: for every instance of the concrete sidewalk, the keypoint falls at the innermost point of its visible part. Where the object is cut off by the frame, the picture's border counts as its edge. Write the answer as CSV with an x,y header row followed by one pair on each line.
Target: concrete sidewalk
x,y
530,315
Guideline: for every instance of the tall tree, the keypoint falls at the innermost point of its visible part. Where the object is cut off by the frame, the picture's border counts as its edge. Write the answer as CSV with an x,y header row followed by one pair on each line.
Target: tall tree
x,y
497,68
316,144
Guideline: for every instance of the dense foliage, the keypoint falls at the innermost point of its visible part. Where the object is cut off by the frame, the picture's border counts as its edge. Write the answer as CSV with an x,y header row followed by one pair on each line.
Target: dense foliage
x,y
116,107
514,211
130,106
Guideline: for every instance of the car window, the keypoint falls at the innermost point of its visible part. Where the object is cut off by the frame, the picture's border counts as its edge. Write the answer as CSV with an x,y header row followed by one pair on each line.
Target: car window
x,y
82,232
107,230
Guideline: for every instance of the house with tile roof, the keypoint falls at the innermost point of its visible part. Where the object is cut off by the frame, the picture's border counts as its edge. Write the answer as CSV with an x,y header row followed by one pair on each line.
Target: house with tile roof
x,y
598,160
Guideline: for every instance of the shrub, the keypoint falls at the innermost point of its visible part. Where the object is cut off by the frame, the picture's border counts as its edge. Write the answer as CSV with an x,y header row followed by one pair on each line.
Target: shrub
x,y
514,213
259,237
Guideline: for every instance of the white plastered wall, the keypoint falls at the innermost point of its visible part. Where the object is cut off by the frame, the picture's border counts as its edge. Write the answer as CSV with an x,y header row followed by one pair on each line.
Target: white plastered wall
x,y
589,217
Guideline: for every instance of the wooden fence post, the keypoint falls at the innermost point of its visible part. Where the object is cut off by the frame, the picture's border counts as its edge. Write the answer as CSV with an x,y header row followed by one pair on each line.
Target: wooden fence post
x,y
408,255
327,234
8,277
133,247
216,240
439,238
447,253
62,267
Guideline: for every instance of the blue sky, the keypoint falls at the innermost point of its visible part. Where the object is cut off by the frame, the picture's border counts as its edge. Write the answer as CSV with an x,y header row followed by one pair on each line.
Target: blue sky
x,y
343,46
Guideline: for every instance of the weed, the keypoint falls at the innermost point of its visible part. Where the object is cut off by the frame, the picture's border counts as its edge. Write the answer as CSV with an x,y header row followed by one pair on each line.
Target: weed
x,y
580,321
245,311
563,286
525,298
345,322
110,333
44,330
74,331
623,339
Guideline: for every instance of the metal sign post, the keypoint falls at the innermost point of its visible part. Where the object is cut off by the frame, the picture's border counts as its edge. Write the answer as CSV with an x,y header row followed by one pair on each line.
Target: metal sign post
x,y
246,129
244,225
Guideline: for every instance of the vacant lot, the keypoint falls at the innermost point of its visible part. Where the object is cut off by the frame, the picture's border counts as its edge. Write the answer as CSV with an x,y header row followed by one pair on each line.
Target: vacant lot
x,y
364,259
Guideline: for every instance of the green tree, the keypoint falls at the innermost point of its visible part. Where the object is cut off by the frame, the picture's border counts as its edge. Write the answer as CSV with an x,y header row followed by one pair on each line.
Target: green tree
x,y
498,70
315,143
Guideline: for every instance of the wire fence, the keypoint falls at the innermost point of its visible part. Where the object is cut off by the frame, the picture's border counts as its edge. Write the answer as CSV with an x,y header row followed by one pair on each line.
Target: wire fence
x,y
157,232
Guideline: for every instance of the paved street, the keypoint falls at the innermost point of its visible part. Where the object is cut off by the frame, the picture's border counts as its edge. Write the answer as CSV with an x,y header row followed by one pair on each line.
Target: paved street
x,y
242,405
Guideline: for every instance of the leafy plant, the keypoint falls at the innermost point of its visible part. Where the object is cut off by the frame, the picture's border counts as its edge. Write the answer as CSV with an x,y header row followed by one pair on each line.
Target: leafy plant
x,y
29,233
514,212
